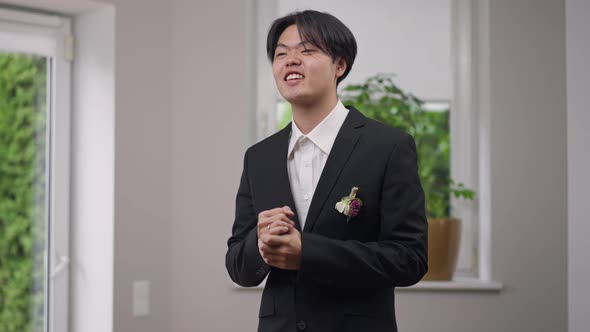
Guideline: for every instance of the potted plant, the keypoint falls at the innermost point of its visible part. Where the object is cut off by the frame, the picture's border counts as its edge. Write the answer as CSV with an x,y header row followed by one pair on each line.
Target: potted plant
x,y
381,99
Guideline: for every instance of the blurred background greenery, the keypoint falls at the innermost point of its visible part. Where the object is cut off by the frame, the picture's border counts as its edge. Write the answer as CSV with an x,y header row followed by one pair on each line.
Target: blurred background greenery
x,y
379,98
23,91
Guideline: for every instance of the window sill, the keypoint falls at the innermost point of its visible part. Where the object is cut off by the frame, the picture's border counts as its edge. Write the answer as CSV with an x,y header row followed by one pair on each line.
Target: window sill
x,y
455,285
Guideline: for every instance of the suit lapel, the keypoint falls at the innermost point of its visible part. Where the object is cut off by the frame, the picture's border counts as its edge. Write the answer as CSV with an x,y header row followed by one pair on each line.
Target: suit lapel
x,y
344,144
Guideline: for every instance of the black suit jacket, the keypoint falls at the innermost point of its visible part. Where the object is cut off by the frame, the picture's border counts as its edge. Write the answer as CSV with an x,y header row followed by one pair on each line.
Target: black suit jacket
x,y
348,270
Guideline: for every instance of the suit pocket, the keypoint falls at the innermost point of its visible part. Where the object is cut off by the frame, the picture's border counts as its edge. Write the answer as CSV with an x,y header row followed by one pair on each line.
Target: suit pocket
x,y
267,305
361,306
358,321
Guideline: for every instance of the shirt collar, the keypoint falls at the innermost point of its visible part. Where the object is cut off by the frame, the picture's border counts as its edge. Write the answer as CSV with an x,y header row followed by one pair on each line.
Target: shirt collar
x,y
324,134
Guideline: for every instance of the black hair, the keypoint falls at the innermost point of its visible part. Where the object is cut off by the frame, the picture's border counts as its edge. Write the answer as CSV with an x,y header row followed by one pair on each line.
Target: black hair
x,y
322,30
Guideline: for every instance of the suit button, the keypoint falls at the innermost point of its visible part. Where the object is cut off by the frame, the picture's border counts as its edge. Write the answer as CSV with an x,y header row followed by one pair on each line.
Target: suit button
x,y
301,325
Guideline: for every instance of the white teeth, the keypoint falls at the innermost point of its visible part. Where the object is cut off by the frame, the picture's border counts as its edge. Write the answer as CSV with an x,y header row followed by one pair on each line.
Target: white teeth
x,y
293,77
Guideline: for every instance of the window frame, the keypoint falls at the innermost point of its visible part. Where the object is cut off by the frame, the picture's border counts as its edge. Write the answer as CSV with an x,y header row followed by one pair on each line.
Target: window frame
x,y
464,134
50,36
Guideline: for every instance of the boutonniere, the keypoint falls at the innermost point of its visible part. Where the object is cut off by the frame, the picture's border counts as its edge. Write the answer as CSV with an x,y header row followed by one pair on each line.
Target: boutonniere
x,y
350,205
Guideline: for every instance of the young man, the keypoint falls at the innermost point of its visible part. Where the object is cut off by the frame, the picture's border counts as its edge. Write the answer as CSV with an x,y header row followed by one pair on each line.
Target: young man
x,y
330,207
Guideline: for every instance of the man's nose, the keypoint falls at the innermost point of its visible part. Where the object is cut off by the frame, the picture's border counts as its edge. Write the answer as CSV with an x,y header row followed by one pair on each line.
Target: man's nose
x,y
292,60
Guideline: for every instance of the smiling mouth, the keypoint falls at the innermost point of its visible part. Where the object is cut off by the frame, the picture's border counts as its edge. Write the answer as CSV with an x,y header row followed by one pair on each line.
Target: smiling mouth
x,y
294,76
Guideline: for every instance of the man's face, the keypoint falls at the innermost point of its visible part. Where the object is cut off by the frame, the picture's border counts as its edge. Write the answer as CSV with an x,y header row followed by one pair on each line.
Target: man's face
x,y
303,73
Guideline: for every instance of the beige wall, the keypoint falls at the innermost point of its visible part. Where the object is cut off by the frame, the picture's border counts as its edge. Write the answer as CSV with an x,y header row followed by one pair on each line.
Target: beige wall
x,y
528,144
143,224
208,117
210,101
578,118
528,179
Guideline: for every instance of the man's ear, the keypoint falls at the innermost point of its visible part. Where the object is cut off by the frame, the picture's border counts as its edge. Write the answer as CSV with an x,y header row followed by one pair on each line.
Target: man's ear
x,y
340,67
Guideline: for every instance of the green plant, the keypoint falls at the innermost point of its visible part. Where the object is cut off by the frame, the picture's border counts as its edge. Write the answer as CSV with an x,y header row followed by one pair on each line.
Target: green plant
x,y
381,99
22,193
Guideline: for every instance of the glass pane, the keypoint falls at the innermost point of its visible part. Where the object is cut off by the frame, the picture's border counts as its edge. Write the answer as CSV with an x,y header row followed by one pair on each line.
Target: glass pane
x,y
433,143
23,192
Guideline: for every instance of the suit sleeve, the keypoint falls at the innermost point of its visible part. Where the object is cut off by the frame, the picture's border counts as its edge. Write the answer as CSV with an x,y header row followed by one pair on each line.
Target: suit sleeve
x,y
242,260
399,256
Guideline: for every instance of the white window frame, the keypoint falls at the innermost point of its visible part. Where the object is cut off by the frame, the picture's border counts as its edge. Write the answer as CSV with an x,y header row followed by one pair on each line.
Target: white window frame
x,y
266,91
470,157
470,128
50,36
463,131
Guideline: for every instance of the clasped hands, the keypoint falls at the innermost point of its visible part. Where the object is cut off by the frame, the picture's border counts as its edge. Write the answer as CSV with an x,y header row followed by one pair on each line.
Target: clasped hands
x,y
279,242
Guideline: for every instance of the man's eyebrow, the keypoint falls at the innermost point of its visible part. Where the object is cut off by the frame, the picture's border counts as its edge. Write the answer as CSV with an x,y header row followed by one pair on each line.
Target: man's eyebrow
x,y
303,43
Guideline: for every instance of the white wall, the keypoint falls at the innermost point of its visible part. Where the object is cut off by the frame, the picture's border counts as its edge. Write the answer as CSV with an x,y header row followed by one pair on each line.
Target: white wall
x,y
411,39
578,120
93,173
121,162
131,232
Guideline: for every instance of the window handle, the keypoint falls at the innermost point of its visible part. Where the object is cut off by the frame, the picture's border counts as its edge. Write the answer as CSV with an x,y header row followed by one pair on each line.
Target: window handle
x,y
63,262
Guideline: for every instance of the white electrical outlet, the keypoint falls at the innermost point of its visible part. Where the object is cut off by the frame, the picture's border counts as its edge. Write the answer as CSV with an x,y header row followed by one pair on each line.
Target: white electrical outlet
x,y
141,298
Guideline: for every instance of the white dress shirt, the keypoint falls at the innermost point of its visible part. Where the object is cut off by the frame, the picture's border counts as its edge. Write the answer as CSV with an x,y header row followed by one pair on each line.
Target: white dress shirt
x,y
307,156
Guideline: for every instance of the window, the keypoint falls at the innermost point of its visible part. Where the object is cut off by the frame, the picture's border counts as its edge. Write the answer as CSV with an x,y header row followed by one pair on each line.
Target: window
x,y
432,61
34,170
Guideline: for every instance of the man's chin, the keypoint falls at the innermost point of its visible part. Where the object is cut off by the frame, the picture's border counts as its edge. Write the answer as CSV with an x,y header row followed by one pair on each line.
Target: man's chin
x,y
299,99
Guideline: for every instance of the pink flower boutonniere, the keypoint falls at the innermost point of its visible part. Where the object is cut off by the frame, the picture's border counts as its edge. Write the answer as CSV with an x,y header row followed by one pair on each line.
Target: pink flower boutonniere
x,y
350,205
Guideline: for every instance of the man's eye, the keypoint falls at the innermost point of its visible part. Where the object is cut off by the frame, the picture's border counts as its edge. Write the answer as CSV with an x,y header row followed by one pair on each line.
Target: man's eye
x,y
279,54
307,51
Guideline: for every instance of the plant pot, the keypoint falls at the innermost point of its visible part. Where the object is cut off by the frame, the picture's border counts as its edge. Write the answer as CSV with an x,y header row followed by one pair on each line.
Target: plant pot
x,y
443,248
